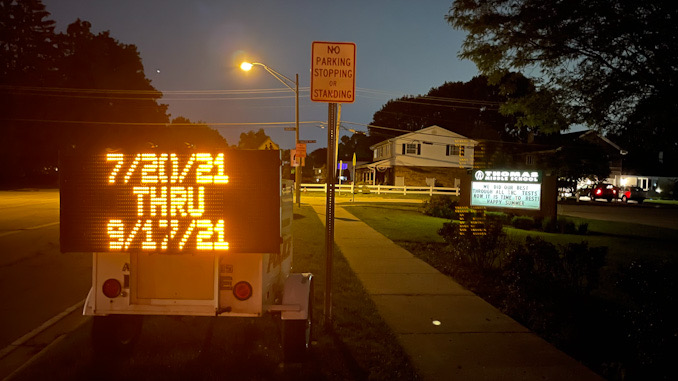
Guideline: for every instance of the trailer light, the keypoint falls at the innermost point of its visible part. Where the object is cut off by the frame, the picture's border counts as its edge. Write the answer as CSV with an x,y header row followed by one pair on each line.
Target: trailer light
x,y
242,290
111,288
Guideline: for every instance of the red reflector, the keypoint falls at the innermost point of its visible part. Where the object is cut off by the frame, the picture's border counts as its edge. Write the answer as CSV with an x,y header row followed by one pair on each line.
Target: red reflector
x,y
242,290
111,288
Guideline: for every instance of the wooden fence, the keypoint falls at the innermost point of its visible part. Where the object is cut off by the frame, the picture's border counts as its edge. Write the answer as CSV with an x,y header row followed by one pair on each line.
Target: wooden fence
x,y
381,189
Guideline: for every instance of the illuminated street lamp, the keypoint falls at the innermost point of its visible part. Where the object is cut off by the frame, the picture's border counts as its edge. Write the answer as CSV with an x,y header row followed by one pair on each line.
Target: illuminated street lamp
x,y
247,66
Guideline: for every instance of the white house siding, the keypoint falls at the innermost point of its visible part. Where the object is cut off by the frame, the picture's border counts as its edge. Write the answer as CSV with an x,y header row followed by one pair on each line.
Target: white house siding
x,y
431,149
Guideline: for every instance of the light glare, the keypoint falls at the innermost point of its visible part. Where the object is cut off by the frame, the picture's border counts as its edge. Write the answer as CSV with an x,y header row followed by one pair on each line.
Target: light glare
x,y
246,66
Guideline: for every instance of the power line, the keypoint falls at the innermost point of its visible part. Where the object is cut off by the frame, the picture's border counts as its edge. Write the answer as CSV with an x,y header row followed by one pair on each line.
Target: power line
x,y
160,124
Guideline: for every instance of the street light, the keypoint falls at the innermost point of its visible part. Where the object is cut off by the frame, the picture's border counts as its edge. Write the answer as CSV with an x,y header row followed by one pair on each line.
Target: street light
x,y
247,66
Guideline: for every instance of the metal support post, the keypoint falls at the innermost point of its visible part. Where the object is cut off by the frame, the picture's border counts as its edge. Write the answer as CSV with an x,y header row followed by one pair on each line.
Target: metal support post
x,y
329,211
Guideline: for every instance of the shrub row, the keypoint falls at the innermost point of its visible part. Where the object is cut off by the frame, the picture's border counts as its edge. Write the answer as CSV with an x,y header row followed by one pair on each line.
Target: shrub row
x,y
444,207
573,267
554,290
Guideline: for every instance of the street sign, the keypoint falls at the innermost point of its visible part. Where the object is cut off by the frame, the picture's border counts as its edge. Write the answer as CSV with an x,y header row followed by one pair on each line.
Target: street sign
x,y
307,141
290,128
301,149
333,72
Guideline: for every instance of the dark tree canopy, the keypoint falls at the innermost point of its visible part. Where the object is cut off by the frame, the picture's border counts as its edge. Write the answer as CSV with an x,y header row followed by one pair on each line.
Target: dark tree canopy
x,y
611,65
357,143
476,109
73,89
252,139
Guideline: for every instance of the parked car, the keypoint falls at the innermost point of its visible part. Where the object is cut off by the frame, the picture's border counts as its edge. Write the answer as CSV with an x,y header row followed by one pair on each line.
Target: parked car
x,y
633,193
605,191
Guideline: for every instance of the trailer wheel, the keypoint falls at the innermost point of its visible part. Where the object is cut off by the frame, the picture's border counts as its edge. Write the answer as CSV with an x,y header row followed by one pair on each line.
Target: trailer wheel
x,y
116,334
296,335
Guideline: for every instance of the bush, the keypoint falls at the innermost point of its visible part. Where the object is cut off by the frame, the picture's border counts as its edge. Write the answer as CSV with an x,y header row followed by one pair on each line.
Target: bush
x,y
479,251
523,222
559,225
440,206
649,321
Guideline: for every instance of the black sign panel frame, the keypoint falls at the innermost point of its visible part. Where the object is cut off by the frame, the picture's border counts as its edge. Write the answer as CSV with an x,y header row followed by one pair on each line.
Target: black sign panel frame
x,y
245,210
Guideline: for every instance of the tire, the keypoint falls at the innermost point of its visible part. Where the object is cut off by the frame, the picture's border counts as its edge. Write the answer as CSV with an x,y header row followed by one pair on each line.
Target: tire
x,y
296,335
116,334
625,200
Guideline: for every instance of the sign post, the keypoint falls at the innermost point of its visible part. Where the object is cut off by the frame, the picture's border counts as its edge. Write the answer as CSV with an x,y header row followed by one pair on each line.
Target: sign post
x,y
332,81
353,179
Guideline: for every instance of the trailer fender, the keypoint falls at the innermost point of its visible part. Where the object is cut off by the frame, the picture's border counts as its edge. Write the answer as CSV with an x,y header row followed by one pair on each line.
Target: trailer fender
x,y
88,308
297,291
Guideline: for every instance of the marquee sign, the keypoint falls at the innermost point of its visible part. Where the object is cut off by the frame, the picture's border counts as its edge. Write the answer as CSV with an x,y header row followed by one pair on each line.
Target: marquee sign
x,y
171,201
506,189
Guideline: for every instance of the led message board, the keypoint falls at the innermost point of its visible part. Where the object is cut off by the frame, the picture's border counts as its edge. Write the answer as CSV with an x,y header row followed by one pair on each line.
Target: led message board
x,y
506,189
171,201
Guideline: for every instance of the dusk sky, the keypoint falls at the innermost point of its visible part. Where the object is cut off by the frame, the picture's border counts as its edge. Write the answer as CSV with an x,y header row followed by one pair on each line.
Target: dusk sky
x,y
191,51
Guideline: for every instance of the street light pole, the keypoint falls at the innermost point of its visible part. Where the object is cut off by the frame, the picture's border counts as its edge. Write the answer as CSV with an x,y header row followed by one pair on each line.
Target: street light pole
x,y
246,66
298,170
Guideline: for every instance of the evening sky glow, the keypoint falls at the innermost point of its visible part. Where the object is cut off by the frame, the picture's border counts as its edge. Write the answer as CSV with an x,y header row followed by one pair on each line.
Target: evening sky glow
x,y
192,50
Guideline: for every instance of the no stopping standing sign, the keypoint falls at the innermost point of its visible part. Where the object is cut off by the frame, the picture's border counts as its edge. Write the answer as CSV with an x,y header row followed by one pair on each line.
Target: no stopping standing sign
x,y
333,72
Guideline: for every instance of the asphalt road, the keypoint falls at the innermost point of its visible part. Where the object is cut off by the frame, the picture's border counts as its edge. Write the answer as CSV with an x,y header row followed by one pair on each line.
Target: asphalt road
x,y
37,282
645,214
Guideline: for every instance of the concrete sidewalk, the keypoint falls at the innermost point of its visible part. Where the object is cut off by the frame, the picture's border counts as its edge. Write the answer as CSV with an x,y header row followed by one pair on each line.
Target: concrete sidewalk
x,y
470,340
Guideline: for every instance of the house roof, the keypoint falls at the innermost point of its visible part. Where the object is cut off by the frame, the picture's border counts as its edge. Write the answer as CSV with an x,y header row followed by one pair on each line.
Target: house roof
x,y
568,139
416,135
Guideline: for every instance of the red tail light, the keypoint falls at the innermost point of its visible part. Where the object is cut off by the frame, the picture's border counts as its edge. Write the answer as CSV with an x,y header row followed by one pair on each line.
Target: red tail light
x,y
599,192
242,290
111,288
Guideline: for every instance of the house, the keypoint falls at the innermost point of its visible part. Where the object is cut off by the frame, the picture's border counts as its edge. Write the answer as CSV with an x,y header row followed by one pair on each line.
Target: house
x,y
259,142
430,156
585,148
268,144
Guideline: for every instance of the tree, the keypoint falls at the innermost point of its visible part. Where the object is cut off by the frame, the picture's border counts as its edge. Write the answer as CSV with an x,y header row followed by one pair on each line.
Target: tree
x,y
575,163
252,139
357,143
612,66
107,89
476,109
27,43
68,89
198,134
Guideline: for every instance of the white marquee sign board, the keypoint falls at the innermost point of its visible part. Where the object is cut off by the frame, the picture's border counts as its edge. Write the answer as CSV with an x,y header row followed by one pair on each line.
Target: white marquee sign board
x,y
506,189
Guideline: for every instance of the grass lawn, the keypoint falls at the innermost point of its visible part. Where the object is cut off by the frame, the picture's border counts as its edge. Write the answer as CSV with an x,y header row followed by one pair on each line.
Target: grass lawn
x,y
625,241
399,222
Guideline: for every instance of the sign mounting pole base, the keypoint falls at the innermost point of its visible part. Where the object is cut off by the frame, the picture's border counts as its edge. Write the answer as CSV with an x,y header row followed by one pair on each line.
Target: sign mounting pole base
x,y
329,211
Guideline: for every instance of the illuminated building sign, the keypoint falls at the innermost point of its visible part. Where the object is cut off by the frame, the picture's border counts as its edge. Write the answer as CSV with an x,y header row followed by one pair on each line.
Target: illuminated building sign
x,y
506,189
171,201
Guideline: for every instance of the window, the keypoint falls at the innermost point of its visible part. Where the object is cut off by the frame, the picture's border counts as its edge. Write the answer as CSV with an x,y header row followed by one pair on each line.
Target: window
x,y
411,149
455,150
529,159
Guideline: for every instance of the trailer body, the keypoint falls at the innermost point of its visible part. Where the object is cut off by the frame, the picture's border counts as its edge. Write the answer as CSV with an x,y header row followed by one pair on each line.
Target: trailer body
x,y
184,232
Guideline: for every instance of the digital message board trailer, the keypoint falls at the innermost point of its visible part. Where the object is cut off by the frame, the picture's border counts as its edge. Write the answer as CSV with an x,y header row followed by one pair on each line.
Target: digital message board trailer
x,y
180,231
506,189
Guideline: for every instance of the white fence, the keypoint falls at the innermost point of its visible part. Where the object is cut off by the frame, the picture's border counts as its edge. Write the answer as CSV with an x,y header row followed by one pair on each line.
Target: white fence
x,y
381,189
